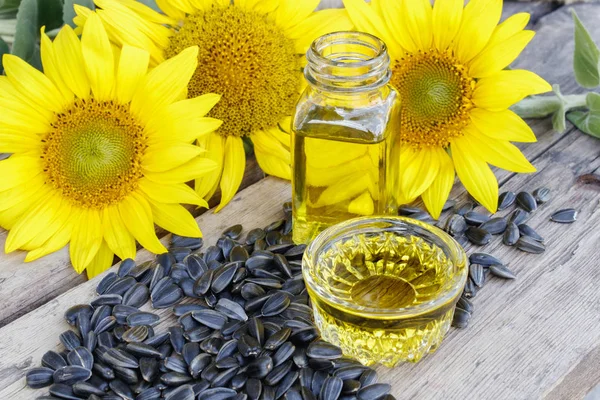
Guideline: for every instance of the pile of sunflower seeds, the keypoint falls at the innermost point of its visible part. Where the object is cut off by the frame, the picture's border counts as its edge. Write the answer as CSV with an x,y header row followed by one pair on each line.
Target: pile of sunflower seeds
x,y
469,226
244,330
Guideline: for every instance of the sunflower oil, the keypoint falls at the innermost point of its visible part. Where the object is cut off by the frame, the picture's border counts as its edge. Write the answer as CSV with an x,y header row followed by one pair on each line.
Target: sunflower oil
x,y
339,173
370,275
343,134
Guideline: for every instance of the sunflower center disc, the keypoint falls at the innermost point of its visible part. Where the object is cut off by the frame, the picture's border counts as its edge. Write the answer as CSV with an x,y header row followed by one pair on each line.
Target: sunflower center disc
x,y
93,153
245,58
436,96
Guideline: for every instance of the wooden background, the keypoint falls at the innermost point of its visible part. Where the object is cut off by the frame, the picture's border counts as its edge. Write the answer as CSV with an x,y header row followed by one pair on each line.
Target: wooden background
x,y
536,337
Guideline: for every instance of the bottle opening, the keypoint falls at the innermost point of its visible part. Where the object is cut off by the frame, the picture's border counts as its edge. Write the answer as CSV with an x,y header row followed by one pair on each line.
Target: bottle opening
x,y
348,62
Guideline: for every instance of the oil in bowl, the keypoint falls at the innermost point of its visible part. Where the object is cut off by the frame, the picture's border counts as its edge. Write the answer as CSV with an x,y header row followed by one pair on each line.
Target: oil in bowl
x,y
384,288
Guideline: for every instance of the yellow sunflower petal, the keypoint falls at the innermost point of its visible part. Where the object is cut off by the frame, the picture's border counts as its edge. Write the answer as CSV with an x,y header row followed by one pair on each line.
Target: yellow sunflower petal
x,y
292,12
175,193
389,11
447,15
505,88
57,241
163,158
148,13
365,19
133,65
214,144
34,189
175,219
503,125
35,87
479,20
318,24
259,6
116,235
269,145
62,213
171,8
18,170
437,193
513,25
34,221
495,58
17,142
475,174
51,69
417,16
233,169
499,153
86,239
197,107
98,58
101,262
419,173
165,84
70,62
270,163
137,217
184,173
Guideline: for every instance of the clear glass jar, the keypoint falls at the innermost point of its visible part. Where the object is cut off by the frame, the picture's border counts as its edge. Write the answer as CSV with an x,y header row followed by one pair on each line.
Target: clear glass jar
x,y
343,134
384,289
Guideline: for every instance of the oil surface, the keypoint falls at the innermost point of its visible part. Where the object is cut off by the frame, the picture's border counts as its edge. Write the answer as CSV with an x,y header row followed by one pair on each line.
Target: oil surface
x,y
383,272
339,173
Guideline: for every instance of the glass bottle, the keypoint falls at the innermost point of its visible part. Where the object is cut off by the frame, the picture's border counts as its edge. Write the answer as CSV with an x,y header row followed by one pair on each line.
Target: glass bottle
x,y
343,134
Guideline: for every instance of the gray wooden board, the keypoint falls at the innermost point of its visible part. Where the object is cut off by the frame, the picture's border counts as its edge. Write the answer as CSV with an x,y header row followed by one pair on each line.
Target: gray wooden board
x,y
535,337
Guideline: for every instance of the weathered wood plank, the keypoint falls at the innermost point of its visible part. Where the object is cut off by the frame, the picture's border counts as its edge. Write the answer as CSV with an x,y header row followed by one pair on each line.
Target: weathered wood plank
x,y
53,275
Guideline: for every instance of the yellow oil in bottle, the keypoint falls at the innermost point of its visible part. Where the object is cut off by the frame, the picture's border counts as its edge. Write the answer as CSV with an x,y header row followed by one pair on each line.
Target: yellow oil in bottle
x,y
366,273
339,173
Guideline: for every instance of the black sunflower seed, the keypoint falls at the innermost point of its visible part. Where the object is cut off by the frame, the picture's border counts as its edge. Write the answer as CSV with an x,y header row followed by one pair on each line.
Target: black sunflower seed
x,y
231,309
470,290
198,364
518,216
107,299
502,271
184,392
260,367
53,360
87,389
350,372
278,373
324,350
224,277
121,285
120,358
168,297
217,394
484,259
456,225
526,230
70,340
526,201
478,236
465,304
143,350
283,353
71,374
277,339
82,357
541,195
331,389
37,378
276,304
505,200
212,319
233,232
239,381
368,377
142,318
125,267
476,273
461,318
529,245
350,386
511,235
495,226
475,219
63,391
374,391
248,346
107,281
285,384
565,216
464,208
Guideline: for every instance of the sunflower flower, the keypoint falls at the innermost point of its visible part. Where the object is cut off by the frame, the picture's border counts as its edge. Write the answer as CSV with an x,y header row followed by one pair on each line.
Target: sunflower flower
x,y
101,149
251,52
449,68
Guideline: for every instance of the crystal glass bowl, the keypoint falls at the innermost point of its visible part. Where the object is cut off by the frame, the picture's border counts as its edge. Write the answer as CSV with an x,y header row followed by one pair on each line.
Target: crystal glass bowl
x,y
384,288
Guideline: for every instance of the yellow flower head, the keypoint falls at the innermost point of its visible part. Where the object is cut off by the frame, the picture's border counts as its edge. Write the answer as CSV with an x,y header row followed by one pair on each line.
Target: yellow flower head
x,y
448,67
101,147
250,52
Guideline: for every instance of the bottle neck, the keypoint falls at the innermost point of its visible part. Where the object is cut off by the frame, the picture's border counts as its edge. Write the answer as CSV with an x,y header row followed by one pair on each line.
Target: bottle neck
x,y
347,63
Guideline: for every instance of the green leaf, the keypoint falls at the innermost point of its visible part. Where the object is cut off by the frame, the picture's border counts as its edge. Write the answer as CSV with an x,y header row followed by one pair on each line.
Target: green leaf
x,y
8,7
587,122
587,56
3,50
559,122
26,34
50,14
593,102
69,10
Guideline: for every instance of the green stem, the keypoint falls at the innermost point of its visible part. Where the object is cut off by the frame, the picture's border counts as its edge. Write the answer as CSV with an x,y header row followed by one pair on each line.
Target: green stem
x,y
543,106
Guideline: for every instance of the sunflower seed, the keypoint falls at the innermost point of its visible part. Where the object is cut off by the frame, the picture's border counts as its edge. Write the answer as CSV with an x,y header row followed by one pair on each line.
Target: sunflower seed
x,y
107,300
120,358
565,216
464,208
475,219
63,391
121,389
465,304
511,235
495,226
277,339
541,195
37,378
283,353
350,372
478,236
477,275
483,259
260,367
331,389
456,225
121,285
142,318
248,346
82,357
168,296
53,360
505,200
184,392
223,277
461,318
470,290
266,283
70,340
233,232
217,394
107,281
212,319
502,271
106,324
198,364
276,304
87,389
350,386
71,374
325,350
529,245
526,201
231,309
526,230
374,391
182,241
518,216
368,377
